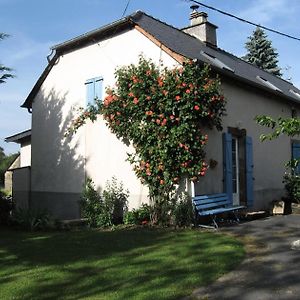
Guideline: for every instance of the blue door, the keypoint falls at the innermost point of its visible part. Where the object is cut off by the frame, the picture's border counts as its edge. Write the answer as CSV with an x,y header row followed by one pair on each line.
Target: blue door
x,y
233,150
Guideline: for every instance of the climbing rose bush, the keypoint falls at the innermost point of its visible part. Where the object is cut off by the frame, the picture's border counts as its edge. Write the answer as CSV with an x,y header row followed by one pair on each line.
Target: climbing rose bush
x,y
162,113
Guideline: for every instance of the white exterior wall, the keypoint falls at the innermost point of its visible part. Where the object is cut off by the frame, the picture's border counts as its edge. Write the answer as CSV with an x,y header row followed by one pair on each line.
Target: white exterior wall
x,y
60,164
25,154
269,157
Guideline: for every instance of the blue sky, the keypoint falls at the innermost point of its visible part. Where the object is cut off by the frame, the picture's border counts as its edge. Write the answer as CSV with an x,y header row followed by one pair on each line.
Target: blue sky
x,y
36,25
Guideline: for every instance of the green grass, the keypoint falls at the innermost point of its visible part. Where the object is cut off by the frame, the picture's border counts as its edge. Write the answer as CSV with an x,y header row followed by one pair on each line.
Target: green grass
x,y
136,263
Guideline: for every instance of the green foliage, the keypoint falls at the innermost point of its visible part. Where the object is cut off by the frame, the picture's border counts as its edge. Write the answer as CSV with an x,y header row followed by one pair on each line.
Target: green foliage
x,y
115,199
30,219
162,113
184,214
91,204
5,72
289,127
5,162
107,209
6,207
261,52
292,181
286,126
179,212
5,193
139,216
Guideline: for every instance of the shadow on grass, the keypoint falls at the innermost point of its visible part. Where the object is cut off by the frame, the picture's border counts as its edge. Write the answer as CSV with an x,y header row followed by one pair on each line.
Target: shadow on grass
x,y
123,264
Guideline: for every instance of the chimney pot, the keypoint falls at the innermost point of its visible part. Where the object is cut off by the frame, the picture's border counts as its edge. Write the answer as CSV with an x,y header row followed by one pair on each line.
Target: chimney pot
x,y
194,7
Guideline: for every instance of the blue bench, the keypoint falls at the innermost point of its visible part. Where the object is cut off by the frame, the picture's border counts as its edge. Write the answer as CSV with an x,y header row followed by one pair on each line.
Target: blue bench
x,y
212,205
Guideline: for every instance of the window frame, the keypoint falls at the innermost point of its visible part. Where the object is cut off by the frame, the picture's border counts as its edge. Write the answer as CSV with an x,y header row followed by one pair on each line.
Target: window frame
x,y
91,90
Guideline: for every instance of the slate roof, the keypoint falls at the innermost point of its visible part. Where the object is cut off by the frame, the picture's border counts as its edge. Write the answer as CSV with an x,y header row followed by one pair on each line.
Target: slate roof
x,y
19,137
185,45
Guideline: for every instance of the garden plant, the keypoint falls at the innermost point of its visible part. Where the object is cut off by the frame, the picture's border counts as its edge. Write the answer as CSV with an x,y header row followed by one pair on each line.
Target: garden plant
x,y
164,114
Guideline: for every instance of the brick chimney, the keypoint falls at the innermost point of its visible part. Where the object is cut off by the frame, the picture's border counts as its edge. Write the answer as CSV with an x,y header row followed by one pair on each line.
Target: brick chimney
x,y
201,28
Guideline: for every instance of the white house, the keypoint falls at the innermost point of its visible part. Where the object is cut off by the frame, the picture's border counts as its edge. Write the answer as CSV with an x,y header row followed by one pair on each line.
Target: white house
x,y
81,68
17,177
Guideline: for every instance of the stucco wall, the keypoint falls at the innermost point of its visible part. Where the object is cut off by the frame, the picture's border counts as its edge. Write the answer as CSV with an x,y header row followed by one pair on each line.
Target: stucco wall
x,y
243,104
21,188
60,164
8,174
25,154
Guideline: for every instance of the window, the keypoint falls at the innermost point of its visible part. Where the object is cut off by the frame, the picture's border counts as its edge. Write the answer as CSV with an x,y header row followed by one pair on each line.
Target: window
x,y
94,88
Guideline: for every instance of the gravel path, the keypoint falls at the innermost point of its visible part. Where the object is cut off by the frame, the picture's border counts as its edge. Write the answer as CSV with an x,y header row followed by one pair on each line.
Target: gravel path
x,y
271,269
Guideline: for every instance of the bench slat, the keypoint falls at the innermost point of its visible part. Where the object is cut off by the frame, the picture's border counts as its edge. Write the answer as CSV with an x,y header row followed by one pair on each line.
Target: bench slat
x,y
205,201
219,210
212,205
202,197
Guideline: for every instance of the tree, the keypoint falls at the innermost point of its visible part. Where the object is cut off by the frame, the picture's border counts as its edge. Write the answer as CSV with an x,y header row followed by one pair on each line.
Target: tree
x,y
261,52
5,72
291,178
163,115
280,126
5,162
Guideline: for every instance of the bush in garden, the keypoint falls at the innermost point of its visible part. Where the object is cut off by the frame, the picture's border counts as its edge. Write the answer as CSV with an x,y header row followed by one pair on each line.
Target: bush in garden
x,y
106,209
6,207
91,204
139,216
292,182
115,200
184,214
31,219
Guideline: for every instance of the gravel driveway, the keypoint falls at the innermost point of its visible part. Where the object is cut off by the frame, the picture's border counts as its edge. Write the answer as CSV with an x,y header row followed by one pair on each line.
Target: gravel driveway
x,y
271,269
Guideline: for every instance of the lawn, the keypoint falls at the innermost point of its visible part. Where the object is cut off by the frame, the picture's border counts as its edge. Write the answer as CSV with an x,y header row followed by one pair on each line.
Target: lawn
x,y
138,263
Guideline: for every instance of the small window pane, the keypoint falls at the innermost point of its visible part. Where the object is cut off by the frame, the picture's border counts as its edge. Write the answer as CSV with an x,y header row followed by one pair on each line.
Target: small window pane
x,y
90,92
94,88
98,88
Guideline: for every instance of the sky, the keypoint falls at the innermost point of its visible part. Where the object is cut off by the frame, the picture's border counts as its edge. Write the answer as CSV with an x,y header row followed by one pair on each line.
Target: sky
x,y
36,25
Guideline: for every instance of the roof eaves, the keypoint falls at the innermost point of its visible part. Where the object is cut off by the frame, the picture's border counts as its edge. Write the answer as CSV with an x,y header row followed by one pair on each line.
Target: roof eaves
x,y
29,100
59,48
16,138
254,84
96,32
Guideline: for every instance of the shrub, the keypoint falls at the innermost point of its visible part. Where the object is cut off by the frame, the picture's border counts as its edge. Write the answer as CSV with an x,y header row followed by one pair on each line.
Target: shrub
x,y
6,206
115,200
139,216
292,182
183,212
292,186
162,113
179,212
91,204
107,209
31,219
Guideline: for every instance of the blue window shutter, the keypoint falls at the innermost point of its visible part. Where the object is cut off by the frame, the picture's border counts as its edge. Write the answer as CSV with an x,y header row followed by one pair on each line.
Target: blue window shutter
x,y
90,91
227,160
98,88
296,154
249,171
